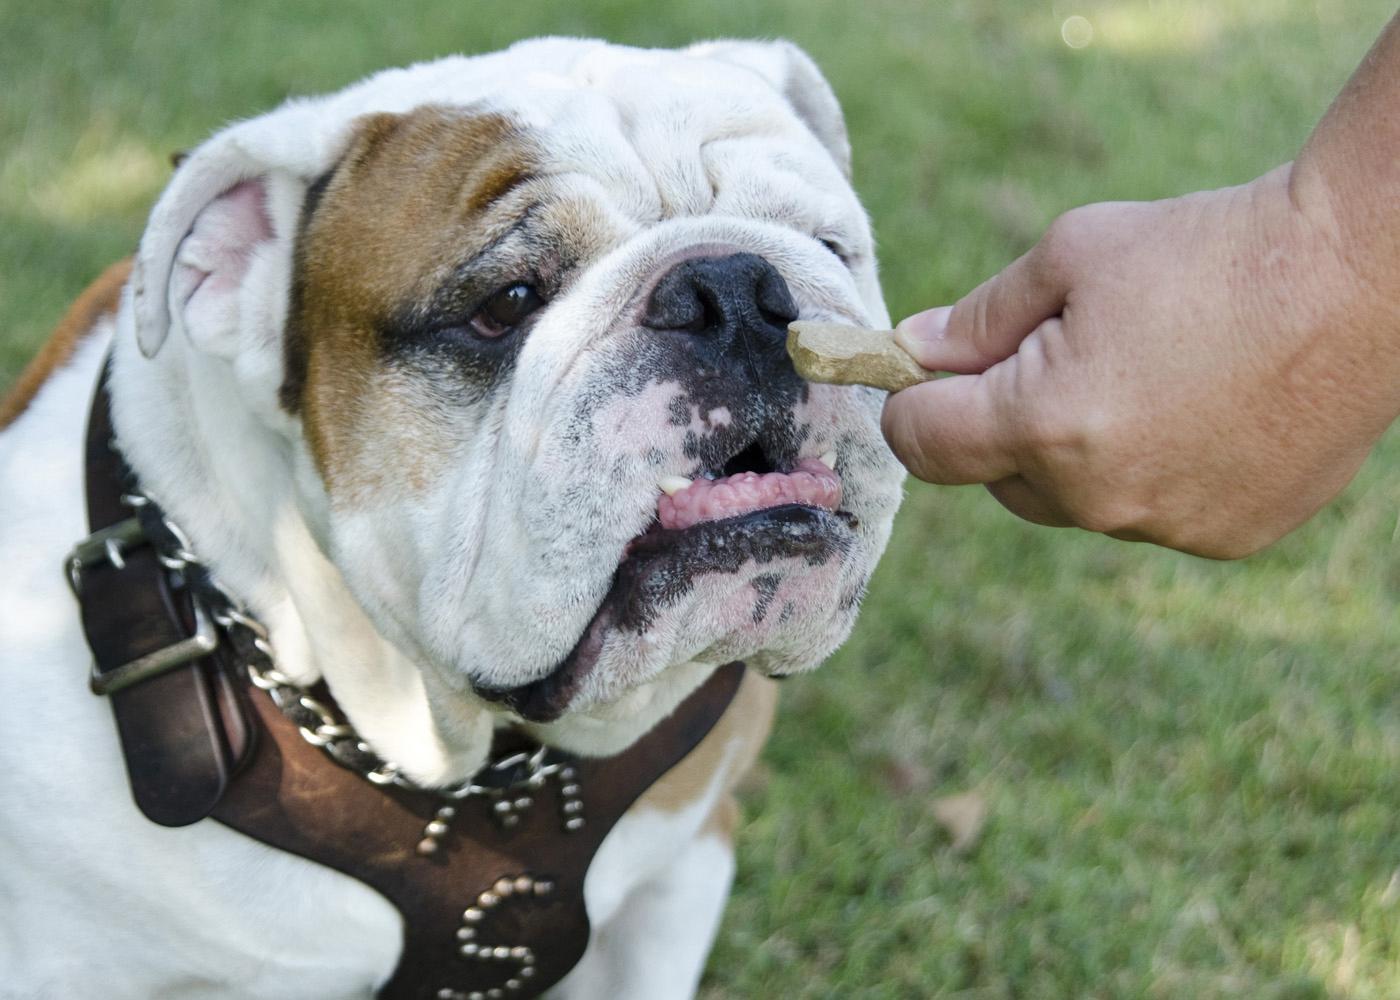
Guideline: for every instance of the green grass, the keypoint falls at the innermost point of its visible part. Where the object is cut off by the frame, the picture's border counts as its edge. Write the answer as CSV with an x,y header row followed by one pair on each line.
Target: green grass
x,y
1193,769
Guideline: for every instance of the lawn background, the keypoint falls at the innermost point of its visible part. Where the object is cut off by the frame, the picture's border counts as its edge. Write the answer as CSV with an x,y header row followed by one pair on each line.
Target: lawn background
x,y
1192,769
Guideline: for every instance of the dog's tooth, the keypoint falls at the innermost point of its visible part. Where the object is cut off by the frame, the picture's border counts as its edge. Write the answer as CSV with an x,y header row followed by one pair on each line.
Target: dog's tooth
x,y
671,485
829,460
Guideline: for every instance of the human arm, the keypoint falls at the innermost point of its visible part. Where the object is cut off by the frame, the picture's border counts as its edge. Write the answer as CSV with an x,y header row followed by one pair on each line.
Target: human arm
x,y
1203,372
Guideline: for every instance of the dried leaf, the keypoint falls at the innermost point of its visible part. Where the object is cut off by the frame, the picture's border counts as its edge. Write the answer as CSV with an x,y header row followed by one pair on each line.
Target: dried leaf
x,y
963,817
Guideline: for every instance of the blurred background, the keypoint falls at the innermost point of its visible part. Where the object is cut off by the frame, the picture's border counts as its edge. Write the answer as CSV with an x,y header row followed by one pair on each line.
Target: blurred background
x,y
1047,765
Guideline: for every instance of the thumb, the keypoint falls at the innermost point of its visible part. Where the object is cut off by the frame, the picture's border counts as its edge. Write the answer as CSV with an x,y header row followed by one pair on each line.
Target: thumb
x,y
953,430
989,323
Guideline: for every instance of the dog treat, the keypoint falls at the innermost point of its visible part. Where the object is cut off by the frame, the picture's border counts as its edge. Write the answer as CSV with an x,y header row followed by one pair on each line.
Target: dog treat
x,y
852,355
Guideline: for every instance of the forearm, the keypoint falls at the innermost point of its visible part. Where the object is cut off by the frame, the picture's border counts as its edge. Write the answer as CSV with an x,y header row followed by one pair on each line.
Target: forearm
x,y
1346,179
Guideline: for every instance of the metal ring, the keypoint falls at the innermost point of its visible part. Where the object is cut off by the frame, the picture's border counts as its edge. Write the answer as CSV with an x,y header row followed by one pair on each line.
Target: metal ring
x,y
310,736
182,540
312,705
240,617
384,774
506,763
260,680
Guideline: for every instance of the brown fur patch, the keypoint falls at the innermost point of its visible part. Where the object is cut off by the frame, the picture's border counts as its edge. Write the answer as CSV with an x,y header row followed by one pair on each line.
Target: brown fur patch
x,y
410,201
97,300
741,732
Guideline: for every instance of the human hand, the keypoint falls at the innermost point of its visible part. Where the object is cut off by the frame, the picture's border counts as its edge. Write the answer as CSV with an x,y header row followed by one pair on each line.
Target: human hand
x,y
1203,373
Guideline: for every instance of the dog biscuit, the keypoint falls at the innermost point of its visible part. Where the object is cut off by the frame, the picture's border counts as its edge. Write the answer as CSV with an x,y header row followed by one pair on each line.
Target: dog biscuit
x,y
852,355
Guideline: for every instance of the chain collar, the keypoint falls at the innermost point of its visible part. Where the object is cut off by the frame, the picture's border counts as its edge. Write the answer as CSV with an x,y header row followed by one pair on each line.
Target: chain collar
x,y
509,781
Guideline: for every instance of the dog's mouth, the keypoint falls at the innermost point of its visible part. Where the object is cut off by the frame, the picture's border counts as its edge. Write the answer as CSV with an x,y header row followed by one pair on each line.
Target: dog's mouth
x,y
746,511
747,482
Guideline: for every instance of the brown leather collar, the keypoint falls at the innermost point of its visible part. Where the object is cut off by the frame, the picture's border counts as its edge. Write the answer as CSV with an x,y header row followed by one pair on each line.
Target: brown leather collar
x,y
494,910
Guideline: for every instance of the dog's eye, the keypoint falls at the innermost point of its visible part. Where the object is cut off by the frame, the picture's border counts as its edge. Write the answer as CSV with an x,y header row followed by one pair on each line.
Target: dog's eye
x,y
837,249
506,309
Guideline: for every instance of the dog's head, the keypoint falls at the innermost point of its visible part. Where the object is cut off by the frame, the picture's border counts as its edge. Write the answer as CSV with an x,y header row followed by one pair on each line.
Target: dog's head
x,y
524,315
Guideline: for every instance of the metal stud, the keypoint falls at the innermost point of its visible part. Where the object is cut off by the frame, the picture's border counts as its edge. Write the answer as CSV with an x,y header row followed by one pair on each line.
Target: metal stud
x,y
435,830
501,890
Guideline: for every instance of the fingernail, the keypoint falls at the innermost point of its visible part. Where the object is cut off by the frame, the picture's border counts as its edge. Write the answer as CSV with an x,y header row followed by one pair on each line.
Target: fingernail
x,y
922,330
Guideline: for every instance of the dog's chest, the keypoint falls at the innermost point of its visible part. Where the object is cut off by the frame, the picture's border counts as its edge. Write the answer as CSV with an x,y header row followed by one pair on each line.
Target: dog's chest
x,y
203,910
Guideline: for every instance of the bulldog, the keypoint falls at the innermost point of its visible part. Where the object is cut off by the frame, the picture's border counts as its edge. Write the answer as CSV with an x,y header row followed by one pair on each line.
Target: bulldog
x,y
468,382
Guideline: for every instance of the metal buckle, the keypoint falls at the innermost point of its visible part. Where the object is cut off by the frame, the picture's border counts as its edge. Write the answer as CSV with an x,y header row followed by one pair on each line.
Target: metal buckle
x,y
106,546
204,641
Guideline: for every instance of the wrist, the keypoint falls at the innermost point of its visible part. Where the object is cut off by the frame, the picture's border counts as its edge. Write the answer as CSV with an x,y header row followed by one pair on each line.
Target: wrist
x,y
1307,284
1317,265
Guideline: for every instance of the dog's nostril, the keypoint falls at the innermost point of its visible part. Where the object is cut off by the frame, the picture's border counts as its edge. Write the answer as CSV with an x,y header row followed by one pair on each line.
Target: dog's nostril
x,y
774,300
710,314
675,307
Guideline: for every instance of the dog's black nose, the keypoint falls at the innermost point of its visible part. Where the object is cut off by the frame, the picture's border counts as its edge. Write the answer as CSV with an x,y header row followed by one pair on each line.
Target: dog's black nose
x,y
738,307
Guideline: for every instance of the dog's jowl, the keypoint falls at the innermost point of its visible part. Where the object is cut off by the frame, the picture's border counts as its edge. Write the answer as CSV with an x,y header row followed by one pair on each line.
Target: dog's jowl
x,y
454,459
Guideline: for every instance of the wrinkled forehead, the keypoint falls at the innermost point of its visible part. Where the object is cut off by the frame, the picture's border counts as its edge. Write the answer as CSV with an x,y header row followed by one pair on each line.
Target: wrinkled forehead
x,y
655,101
651,126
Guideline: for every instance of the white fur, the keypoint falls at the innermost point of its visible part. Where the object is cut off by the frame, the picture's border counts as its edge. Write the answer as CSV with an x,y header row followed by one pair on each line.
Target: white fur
x,y
400,602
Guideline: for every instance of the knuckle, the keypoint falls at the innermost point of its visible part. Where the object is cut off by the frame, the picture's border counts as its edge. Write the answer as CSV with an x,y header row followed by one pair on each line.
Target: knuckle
x,y
1113,506
1056,434
980,329
1074,447
1062,240
1075,236
1106,515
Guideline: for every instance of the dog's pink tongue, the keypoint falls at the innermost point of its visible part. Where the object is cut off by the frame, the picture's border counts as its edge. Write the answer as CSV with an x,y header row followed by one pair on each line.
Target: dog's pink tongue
x,y
811,483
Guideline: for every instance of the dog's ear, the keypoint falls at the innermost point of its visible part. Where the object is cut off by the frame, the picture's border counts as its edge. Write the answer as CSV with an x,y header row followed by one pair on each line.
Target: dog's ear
x,y
793,74
230,202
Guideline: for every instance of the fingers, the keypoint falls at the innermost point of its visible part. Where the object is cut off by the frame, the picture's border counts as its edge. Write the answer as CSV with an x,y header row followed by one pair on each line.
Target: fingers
x,y
1025,501
963,451
989,323
951,430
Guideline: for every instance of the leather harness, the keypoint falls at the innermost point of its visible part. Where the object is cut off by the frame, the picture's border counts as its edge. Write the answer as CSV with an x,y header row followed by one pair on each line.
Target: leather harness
x,y
489,885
